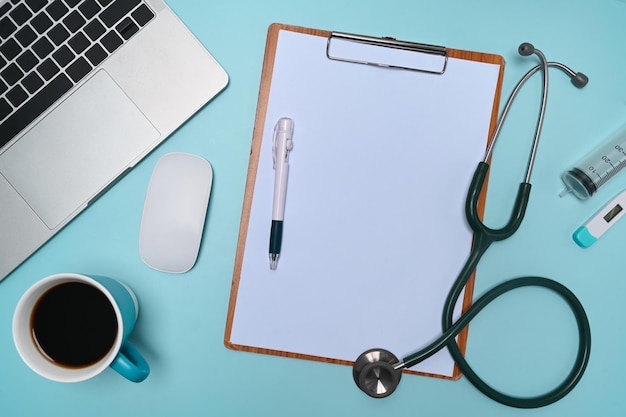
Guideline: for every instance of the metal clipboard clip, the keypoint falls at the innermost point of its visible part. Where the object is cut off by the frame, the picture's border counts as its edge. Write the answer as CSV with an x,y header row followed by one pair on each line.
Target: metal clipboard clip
x,y
387,52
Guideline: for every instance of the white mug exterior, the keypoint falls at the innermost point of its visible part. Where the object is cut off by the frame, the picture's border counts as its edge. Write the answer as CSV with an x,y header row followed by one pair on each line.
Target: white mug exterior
x,y
26,345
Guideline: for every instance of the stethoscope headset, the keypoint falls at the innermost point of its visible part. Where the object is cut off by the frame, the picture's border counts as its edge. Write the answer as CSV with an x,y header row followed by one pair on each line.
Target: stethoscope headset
x,y
377,372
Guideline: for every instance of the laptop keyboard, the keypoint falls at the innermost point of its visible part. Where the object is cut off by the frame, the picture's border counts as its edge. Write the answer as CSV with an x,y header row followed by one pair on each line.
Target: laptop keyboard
x,y
47,46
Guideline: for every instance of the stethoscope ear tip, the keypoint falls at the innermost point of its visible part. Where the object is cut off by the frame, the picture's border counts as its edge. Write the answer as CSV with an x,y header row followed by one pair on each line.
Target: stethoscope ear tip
x,y
526,49
580,80
375,374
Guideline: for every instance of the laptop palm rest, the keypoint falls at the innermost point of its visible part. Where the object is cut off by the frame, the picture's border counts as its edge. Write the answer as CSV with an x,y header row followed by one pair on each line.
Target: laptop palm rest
x,y
77,150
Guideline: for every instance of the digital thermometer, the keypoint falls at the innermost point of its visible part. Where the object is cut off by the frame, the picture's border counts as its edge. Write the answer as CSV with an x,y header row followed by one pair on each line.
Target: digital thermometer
x,y
595,227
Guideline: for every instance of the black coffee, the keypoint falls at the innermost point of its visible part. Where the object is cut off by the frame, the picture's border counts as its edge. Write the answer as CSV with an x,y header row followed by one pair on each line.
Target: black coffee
x,y
74,324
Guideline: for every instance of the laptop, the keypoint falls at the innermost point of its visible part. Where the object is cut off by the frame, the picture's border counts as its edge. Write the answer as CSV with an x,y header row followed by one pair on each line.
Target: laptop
x,y
87,89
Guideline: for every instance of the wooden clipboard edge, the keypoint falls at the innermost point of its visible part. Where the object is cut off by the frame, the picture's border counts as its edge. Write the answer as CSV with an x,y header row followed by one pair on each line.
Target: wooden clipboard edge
x,y
259,124
264,90
257,134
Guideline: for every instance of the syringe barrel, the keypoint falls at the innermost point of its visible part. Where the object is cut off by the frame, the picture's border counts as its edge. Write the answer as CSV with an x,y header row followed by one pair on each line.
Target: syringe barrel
x,y
595,169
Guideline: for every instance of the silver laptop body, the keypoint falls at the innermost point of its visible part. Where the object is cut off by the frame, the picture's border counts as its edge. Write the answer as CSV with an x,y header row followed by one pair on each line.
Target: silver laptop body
x,y
121,76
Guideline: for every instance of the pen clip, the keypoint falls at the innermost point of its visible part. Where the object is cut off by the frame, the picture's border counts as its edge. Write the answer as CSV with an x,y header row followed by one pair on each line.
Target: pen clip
x,y
274,146
284,147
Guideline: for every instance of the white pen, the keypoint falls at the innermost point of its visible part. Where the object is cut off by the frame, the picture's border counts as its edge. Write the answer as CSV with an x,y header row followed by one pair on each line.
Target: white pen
x,y
281,146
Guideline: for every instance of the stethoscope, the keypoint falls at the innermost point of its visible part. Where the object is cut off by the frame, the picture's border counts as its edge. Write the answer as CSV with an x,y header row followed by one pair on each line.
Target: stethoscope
x,y
377,372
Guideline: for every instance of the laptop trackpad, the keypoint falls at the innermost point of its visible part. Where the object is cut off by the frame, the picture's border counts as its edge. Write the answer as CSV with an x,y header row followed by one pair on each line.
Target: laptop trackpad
x,y
79,148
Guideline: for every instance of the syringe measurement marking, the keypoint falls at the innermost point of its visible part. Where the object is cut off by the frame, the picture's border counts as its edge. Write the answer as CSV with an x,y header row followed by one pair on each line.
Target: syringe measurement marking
x,y
610,172
608,161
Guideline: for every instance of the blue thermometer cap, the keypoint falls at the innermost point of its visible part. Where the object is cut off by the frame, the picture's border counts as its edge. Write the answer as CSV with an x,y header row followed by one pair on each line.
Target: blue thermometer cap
x,y
583,237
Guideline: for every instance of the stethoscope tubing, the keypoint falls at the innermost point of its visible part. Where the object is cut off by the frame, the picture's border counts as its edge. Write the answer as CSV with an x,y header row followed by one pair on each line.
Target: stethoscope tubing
x,y
484,237
580,82
448,339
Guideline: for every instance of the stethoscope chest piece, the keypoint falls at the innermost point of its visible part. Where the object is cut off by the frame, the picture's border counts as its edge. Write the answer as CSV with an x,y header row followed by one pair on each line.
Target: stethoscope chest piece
x,y
375,374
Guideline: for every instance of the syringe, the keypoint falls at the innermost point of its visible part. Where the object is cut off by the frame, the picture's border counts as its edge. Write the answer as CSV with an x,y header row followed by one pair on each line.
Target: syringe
x,y
597,168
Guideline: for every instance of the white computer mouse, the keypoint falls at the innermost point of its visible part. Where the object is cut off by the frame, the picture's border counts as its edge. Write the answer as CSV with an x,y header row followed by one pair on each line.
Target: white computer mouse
x,y
174,212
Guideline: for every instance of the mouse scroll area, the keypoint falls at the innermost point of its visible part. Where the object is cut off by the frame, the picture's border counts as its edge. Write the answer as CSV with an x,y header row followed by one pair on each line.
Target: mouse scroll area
x,y
174,212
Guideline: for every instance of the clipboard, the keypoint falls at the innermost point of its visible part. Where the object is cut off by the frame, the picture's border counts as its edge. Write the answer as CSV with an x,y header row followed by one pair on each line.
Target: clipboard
x,y
387,135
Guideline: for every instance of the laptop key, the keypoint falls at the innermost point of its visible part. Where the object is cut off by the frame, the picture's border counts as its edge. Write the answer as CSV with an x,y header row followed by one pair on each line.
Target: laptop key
x,y
39,103
89,8
111,41
63,56
36,5
48,69
26,36
27,61
58,34
74,21
57,9
16,95
96,54
142,15
4,9
7,27
117,10
32,82
127,28
12,74
10,49
79,42
43,47
78,69
5,108
20,14
94,30
41,23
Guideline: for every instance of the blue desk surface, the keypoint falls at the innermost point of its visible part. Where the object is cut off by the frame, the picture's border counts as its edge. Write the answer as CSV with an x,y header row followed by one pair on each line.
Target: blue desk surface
x,y
524,343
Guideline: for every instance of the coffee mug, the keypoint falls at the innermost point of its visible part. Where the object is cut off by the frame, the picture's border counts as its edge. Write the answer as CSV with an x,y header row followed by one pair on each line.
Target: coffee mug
x,y
71,327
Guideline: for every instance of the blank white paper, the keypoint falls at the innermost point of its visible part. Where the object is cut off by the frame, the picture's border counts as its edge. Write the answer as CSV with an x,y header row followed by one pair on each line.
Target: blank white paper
x,y
374,231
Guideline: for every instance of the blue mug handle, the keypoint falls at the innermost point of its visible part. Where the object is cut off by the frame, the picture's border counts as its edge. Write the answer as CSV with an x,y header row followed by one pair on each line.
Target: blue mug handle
x,y
130,364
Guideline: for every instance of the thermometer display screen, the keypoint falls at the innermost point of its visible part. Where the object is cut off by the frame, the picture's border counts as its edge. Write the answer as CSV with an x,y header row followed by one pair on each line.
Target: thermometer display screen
x,y
612,213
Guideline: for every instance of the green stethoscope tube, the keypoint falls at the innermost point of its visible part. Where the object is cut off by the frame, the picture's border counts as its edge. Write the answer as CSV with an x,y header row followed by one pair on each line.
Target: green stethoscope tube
x,y
484,238
377,372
